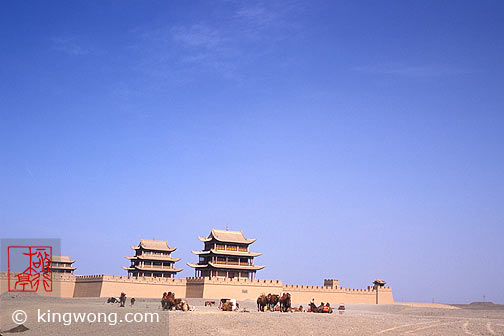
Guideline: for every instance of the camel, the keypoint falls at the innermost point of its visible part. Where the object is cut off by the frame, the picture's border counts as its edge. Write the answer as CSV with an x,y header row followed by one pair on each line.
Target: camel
x,y
313,308
122,299
112,300
285,302
132,301
272,301
262,301
228,305
298,310
180,304
169,302
164,301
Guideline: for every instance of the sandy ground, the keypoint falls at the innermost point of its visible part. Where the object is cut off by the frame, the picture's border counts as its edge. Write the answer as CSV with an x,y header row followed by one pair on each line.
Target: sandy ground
x,y
358,319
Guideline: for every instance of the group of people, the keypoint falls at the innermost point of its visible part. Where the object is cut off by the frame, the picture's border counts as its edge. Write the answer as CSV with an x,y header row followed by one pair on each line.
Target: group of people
x,y
323,308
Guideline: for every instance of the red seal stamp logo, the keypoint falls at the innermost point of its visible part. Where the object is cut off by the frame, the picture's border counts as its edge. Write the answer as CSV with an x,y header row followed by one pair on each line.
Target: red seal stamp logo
x,y
38,271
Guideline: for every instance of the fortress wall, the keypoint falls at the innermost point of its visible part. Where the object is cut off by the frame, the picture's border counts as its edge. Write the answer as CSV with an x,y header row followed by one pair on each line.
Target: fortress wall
x,y
113,285
337,295
62,285
244,289
88,286
200,287
304,294
385,296
240,289
195,288
144,287
4,285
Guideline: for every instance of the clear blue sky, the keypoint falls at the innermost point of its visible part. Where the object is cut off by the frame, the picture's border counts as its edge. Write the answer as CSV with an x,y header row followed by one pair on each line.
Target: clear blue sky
x,y
354,139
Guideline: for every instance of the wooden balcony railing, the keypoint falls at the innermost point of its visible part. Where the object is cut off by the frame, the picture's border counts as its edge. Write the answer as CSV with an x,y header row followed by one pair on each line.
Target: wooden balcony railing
x,y
156,267
240,263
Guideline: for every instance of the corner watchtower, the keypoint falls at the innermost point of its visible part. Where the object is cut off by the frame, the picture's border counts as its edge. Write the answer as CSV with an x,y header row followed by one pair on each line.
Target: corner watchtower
x,y
333,283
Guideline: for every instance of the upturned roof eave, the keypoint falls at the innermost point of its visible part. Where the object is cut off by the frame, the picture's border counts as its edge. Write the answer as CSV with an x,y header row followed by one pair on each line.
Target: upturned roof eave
x,y
242,267
214,236
144,241
227,252
196,265
155,269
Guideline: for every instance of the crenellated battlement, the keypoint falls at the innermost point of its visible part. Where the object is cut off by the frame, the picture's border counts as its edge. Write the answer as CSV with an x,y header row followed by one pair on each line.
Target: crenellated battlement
x,y
327,289
55,276
234,281
129,279
89,277
62,284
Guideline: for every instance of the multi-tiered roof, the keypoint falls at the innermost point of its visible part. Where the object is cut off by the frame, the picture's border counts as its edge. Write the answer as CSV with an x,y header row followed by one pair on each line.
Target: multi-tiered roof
x,y
226,254
62,264
153,258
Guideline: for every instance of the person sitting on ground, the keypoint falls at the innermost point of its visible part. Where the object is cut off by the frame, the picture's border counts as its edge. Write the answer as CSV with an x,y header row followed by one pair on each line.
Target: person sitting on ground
x,y
327,308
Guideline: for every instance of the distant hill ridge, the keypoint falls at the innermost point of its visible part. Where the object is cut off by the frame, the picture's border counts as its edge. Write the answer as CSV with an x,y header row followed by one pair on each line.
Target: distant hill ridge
x,y
481,305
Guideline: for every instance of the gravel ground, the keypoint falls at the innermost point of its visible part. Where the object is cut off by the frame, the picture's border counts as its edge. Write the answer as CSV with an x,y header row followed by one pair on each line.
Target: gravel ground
x,y
358,319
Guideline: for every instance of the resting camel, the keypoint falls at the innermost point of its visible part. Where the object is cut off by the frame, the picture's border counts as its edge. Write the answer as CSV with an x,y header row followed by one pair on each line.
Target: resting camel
x,y
227,306
285,302
298,310
112,300
169,302
262,301
132,301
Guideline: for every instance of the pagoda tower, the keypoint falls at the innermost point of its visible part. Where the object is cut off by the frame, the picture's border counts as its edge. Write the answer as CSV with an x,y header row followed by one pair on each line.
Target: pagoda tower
x,y
62,264
152,259
226,255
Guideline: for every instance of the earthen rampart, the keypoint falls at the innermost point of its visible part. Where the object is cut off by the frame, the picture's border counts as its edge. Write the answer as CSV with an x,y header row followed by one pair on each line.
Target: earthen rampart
x,y
204,287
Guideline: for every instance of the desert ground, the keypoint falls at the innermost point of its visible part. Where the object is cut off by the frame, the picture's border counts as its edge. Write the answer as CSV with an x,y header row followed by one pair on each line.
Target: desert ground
x,y
358,319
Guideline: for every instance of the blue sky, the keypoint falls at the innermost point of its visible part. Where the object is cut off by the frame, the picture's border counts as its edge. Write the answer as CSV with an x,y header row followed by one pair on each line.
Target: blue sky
x,y
354,139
